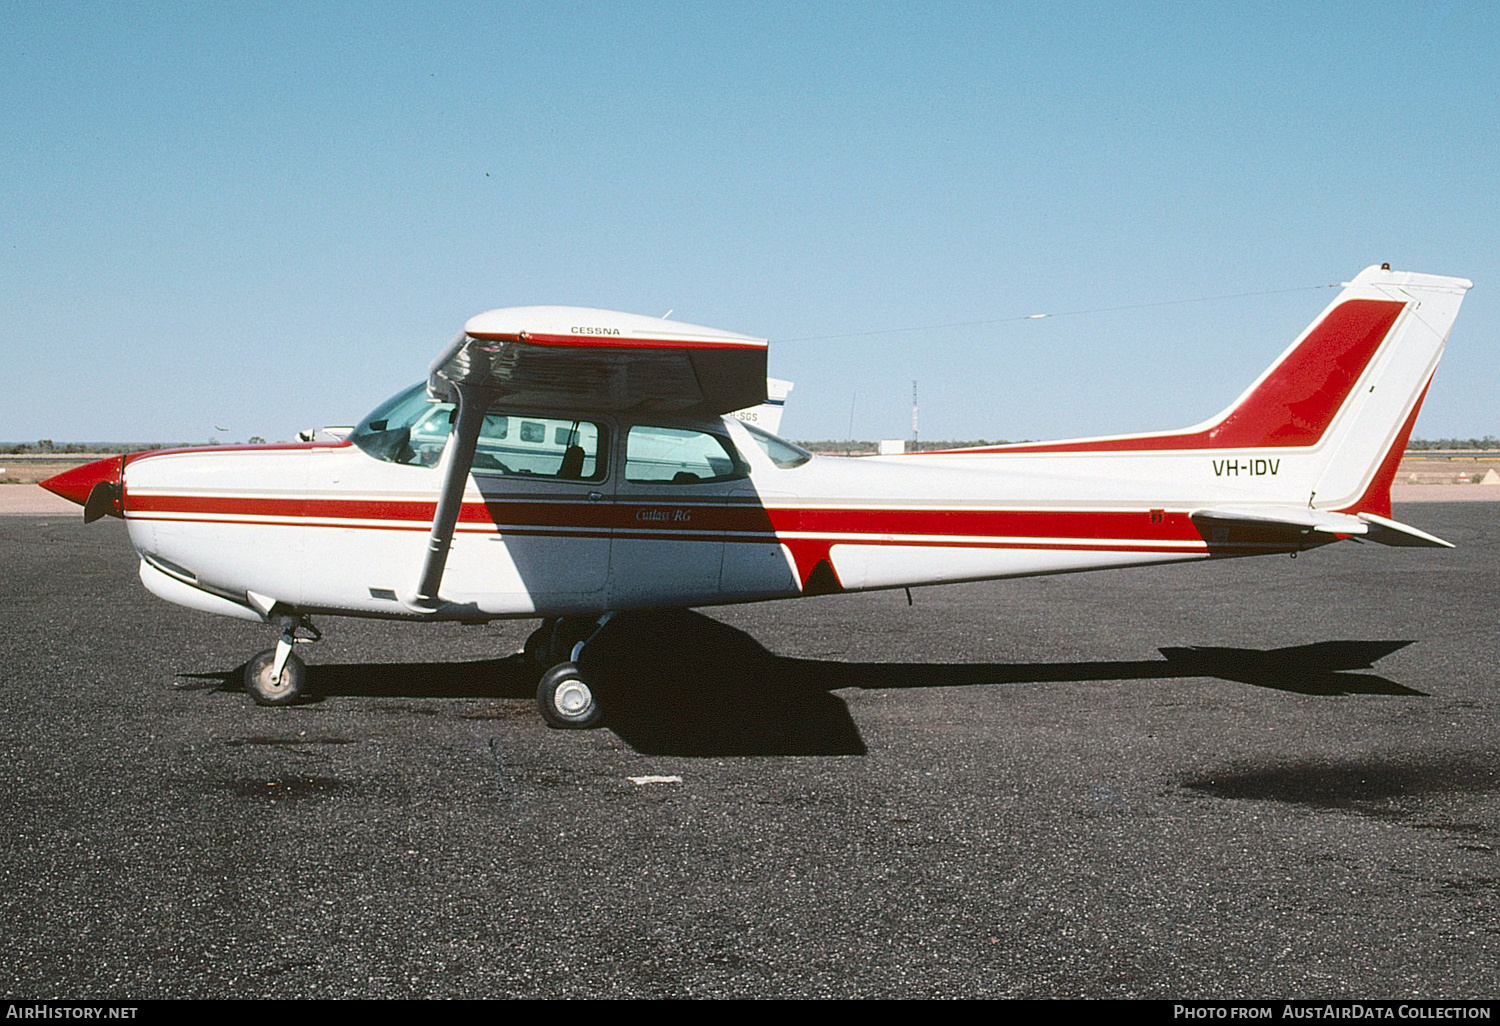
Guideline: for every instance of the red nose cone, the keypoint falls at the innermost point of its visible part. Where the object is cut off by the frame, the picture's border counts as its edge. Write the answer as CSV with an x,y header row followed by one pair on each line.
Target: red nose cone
x,y
76,484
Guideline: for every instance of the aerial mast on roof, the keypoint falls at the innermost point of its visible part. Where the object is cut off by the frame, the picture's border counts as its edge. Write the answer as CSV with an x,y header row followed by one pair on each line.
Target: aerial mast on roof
x,y
914,433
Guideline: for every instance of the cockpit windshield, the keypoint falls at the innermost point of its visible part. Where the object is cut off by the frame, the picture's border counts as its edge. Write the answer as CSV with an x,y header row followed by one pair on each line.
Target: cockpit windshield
x,y
385,433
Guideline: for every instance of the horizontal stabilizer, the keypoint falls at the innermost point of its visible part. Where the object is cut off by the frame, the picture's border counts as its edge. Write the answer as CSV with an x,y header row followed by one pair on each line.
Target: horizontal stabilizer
x,y
1389,532
1369,526
1302,517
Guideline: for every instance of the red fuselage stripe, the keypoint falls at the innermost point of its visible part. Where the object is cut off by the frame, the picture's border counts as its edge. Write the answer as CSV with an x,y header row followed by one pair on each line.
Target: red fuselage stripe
x,y
1083,531
650,519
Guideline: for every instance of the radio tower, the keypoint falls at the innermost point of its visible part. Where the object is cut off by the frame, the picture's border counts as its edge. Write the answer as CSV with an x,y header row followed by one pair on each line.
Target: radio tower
x,y
915,435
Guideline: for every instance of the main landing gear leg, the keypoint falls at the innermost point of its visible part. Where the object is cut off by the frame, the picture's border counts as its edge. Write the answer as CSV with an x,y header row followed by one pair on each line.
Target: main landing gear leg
x,y
553,642
565,699
277,676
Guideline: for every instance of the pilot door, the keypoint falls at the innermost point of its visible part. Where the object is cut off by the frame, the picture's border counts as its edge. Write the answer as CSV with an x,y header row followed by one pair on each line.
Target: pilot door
x,y
541,541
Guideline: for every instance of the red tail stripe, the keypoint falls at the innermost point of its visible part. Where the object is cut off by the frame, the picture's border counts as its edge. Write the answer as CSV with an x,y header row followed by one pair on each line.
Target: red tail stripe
x,y
1377,497
1292,406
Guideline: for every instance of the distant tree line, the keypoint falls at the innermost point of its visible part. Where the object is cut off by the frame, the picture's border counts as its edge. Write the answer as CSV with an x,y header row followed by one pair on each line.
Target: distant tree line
x,y
1487,442
47,447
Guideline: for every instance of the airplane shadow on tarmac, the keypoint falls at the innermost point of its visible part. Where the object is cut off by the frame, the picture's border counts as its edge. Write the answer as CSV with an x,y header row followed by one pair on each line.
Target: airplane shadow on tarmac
x,y
681,683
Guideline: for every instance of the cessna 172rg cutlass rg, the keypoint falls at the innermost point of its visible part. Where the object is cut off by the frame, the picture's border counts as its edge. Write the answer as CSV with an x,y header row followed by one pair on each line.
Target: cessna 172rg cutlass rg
x,y
568,464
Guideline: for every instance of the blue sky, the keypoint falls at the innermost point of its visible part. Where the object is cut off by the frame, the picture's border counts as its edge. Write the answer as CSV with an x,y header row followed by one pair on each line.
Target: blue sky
x,y
264,217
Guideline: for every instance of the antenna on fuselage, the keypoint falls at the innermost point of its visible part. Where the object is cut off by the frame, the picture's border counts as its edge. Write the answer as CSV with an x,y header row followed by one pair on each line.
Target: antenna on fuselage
x,y
915,435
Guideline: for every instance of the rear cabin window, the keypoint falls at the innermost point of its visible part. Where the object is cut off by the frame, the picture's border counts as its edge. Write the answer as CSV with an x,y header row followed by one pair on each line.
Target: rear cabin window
x,y
412,429
541,447
663,455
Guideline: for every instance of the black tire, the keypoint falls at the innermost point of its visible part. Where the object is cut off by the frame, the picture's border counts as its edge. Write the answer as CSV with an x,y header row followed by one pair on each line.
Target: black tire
x,y
566,701
289,689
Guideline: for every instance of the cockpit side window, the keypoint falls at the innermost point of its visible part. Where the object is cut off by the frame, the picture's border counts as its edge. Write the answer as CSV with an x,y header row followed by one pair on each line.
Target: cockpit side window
x,y
665,455
412,429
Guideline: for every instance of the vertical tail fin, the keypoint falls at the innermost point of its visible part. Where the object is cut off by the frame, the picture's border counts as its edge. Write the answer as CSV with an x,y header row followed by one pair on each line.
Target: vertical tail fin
x,y
1327,422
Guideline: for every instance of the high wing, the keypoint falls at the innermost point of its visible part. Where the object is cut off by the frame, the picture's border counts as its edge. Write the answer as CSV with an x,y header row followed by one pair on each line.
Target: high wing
x,y
572,357
539,357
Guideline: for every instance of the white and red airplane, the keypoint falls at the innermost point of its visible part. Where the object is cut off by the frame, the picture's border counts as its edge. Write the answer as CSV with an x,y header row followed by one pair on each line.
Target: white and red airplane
x,y
568,464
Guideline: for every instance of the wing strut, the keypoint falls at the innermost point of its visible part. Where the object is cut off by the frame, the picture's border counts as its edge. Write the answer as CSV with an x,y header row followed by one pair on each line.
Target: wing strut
x,y
458,458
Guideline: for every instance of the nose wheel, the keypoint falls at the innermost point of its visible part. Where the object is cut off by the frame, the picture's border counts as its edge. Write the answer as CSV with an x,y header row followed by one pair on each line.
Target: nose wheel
x,y
268,687
277,676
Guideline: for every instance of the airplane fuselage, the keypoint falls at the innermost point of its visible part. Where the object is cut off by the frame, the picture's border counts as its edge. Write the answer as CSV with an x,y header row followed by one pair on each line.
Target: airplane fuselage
x,y
329,528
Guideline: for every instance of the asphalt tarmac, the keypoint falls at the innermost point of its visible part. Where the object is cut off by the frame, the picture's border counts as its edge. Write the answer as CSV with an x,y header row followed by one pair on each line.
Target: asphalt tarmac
x,y
1258,778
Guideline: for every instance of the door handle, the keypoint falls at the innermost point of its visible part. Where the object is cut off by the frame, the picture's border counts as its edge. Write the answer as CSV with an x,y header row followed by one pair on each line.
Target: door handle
x,y
595,496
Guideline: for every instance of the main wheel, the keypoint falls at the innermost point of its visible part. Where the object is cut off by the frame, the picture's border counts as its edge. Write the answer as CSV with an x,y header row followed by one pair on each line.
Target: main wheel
x,y
566,701
287,689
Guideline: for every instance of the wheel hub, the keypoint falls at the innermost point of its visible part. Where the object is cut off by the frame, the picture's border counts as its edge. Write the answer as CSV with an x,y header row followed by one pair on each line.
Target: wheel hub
x,y
573,698
275,685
